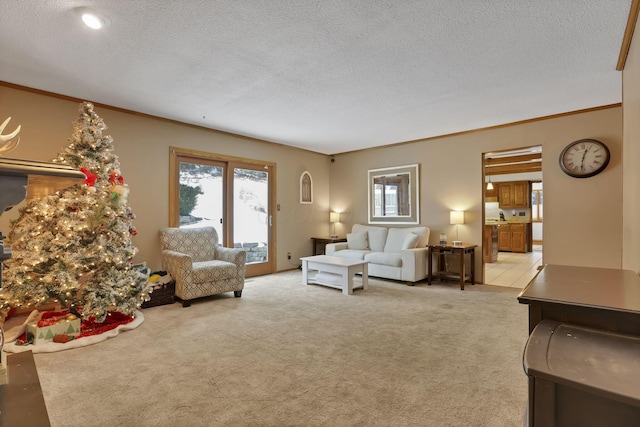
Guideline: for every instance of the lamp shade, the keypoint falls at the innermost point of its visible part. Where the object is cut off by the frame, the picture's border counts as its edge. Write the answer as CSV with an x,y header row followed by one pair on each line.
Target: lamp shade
x,y
456,217
334,216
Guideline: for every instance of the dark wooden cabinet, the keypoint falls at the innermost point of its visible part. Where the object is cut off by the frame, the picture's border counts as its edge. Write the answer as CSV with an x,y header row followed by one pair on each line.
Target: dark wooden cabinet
x,y
513,237
602,306
514,195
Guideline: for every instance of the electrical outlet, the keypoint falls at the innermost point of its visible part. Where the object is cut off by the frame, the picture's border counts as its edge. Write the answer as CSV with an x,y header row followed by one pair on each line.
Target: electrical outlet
x,y
288,255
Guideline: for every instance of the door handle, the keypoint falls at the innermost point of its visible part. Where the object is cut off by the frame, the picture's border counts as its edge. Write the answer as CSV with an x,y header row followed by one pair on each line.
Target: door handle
x,y
270,220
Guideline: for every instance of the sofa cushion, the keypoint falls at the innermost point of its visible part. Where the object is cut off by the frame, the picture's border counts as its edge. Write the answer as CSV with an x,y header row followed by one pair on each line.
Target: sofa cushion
x,y
395,239
384,258
377,235
410,241
213,271
351,253
358,241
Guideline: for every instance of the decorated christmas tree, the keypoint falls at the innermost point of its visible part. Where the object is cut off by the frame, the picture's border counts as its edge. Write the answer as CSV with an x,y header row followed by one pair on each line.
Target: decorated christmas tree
x,y
75,246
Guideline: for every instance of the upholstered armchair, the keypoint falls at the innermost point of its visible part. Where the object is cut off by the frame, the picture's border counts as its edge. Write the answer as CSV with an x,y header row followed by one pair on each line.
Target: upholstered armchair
x,y
199,266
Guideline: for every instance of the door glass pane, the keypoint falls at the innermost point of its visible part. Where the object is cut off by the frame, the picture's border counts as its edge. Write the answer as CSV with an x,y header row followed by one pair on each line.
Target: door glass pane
x,y
250,213
201,196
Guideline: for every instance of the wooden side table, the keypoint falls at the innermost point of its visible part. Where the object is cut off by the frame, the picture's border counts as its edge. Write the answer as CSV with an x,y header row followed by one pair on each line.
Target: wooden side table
x,y
319,243
461,251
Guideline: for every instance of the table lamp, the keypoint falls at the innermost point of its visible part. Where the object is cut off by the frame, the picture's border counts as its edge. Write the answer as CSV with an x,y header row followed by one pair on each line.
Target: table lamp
x,y
333,218
456,218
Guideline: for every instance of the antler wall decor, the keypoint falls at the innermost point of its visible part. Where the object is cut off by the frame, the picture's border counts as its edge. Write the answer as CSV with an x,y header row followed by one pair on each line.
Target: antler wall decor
x,y
6,143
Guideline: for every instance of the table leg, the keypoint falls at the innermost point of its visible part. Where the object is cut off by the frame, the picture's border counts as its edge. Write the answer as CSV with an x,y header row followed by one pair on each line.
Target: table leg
x,y
429,266
305,272
461,254
347,281
365,276
473,266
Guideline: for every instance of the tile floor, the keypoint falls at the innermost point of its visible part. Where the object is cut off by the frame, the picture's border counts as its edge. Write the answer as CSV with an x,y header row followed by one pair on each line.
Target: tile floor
x,y
512,269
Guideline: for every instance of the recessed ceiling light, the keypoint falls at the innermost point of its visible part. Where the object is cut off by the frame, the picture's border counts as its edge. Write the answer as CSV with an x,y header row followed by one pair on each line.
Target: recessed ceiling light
x,y
91,18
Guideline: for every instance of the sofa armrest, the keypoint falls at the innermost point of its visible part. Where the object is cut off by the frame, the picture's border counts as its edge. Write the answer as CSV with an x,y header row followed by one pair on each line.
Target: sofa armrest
x,y
414,264
179,265
331,248
234,255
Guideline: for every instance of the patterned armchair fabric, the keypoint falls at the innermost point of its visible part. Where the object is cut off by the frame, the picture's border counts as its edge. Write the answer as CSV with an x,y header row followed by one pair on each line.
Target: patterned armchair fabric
x,y
199,266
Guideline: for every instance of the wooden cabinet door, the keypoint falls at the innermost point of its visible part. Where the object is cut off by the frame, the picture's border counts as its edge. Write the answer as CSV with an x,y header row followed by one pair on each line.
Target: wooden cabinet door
x,y
504,195
520,194
518,237
504,237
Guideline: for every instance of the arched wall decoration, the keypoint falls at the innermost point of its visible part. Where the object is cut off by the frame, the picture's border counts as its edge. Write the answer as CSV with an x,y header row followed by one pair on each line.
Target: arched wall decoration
x,y
306,188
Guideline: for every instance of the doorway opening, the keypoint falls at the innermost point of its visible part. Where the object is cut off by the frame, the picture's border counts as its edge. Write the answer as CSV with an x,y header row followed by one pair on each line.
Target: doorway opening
x,y
513,215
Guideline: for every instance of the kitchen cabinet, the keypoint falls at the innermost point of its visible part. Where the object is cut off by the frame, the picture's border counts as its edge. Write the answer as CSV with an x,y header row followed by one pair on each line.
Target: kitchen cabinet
x,y
490,244
514,195
513,237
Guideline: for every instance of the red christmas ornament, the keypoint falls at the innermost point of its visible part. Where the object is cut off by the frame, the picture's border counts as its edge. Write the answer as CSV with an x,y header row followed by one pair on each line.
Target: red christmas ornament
x,y
114,178
91,177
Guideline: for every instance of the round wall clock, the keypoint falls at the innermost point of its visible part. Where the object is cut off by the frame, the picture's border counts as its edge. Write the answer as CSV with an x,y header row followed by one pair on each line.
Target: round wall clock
x,y
584,158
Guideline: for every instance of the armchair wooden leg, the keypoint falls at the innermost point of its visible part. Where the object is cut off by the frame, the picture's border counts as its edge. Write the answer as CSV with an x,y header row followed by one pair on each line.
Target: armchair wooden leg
x,y
185,303
237,294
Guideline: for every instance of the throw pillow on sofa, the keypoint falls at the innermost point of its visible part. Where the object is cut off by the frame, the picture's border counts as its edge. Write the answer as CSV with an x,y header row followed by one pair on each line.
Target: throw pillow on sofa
x,y
395,239
410,241
358,241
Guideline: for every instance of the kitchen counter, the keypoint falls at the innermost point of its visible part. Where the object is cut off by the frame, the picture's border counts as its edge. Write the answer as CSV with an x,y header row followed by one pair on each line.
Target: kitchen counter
x,y
508,221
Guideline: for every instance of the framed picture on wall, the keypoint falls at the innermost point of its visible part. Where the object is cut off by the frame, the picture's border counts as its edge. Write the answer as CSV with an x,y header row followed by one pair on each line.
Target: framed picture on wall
x,y
394,195
306,188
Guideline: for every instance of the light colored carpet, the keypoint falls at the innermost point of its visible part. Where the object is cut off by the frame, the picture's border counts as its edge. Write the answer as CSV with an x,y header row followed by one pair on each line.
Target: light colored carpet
x,y
291,355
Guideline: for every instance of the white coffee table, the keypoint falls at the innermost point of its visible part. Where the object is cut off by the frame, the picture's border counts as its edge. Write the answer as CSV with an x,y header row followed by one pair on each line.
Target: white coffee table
x,y
335,272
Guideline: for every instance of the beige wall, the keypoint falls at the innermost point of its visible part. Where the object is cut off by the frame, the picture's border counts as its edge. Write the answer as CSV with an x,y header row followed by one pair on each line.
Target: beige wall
x,y
582,217
142,146
631,175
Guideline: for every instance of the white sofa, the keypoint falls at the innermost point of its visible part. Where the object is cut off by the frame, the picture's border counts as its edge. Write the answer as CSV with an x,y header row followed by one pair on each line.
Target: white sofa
x,y
392,252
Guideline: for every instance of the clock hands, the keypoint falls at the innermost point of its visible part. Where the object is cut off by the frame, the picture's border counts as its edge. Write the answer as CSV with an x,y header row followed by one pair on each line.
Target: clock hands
x,y
583,156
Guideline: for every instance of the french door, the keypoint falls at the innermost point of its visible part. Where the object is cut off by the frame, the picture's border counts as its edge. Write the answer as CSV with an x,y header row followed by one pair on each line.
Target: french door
x,y
231,194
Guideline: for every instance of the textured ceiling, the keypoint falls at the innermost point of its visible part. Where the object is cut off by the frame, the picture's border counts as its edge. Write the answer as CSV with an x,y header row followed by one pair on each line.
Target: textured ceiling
x,y
324,75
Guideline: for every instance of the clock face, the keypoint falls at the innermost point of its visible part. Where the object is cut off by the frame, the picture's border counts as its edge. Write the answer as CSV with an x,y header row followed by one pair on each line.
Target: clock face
x,y
584,158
